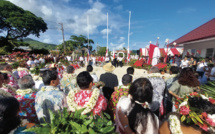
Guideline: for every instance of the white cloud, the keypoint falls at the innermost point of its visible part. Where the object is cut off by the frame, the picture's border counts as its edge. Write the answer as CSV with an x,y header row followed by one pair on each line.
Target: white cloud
x,y
47,40
104,31
121,39
186,10
73,17
117,46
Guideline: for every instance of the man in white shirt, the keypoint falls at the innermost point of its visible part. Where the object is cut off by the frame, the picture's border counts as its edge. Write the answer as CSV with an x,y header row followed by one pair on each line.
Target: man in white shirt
x,y
42,60
184,63
200,68
81,59
107,59
36,61
212,74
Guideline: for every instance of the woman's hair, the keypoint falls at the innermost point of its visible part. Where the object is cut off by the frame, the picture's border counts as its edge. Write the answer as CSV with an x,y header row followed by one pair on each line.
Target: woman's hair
x,y
9,108
187,78
141,90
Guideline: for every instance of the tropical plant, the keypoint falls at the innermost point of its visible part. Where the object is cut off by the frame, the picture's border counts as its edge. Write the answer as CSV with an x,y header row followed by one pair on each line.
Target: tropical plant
x,y
36,70
75,123
15,65
209,88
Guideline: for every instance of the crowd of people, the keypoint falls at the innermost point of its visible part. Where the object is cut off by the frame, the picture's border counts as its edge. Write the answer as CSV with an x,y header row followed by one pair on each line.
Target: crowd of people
x,y
150,104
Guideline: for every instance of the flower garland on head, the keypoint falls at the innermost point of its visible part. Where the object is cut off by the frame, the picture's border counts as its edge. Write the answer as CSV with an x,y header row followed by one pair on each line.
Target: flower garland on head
x,y
73,106
24,91
22,69
190,114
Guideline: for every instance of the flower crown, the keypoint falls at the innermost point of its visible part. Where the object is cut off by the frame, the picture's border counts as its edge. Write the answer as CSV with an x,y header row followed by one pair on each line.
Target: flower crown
x,y
190,114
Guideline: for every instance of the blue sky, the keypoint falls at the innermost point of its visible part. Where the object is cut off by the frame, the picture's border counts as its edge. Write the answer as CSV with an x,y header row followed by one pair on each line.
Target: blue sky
x,y
149,19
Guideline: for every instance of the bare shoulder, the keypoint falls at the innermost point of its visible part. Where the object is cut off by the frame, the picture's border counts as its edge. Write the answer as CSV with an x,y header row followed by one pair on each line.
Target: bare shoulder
x,y
164,128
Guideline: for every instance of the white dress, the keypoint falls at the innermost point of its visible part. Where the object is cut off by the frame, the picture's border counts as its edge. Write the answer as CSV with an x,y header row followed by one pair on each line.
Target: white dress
x,y
125,103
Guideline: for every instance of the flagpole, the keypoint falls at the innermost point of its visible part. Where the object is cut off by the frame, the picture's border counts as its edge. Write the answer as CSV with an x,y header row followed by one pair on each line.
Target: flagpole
x,y
128,35
88,34
107,37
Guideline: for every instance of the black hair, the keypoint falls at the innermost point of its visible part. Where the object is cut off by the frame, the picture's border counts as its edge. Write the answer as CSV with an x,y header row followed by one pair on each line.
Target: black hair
x,y
130,70
126,79
9,108
70,69
89,68
5,76
48,76
174,70
141,90
84,79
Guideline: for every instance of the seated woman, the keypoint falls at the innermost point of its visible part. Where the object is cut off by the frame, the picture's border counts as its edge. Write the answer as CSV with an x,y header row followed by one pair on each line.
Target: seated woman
x,y
11,90
9,119
136,106
186,83
196,115
26,97
92,101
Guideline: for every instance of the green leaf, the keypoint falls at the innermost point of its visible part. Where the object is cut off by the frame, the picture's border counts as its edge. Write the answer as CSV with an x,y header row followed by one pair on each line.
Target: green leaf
x,y
183,118
91,131
107,115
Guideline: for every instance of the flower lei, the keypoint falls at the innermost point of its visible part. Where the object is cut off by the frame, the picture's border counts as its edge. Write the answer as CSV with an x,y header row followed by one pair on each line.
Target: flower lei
x,y
22,69
49,88
4,93
202,119
24,91
9,87
88,106
174,125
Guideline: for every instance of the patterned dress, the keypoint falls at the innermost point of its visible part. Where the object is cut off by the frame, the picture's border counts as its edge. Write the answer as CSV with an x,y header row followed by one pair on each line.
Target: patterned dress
x,y
51,99
116,95
83,97
27,107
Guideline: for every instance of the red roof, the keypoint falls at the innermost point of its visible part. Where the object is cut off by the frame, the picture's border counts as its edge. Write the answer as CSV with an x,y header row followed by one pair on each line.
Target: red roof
x,y
206,30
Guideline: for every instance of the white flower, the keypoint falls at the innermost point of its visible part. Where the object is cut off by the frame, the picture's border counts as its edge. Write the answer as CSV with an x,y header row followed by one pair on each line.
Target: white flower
x,y
204,97
183,104
212,117
175,126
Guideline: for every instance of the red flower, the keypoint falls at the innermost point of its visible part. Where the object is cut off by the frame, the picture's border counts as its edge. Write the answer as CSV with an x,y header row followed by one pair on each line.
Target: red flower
x,y
204,126
212,100
210,121
179,98
184,110
176,103
205,115
193,94
176,106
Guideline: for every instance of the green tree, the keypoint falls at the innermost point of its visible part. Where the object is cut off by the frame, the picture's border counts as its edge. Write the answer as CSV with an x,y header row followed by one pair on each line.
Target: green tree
x,y
101,51
76,42
17,24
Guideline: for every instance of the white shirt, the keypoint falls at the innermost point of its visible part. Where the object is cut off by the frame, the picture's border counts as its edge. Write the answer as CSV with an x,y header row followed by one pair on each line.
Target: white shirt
x,y
120,58
184,64
200,67
30,62
94,59
95,78
68,58
212,73
42,60
81,59
107,59
36,61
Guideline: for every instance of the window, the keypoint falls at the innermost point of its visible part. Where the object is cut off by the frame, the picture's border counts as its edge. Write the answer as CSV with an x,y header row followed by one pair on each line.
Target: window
x,y
209,52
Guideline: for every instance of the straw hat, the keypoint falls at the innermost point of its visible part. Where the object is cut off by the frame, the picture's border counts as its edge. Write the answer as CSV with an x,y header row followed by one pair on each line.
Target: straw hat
x,y
108,67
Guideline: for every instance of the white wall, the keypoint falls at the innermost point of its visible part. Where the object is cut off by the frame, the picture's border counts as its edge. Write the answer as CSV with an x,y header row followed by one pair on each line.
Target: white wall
x,y
199,46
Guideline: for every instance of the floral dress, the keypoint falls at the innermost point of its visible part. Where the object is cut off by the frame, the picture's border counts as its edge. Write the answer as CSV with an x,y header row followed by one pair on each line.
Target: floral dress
x,y
116,95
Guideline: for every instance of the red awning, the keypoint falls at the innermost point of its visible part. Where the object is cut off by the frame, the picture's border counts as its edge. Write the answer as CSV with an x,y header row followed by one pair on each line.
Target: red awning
x,y
175,51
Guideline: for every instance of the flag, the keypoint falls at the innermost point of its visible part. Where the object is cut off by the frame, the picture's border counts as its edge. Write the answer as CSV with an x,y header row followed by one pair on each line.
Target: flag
x,y
113,54
128,56
106,55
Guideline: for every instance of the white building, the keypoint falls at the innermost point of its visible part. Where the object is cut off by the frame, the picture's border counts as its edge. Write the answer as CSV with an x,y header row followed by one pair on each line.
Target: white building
x,y
200,42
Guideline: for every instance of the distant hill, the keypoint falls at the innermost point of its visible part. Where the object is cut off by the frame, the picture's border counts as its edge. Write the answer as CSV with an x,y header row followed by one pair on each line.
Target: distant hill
x,y
39,45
